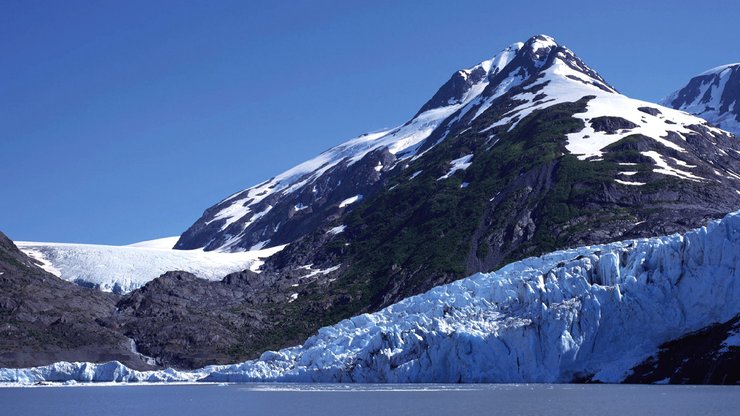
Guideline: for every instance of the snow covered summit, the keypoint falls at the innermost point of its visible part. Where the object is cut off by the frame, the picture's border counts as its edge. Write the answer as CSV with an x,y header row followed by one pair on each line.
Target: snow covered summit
x,y
276,211
524,78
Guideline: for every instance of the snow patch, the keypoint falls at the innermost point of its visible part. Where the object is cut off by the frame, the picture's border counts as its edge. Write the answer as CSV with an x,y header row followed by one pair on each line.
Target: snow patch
x,y
629,183
320,271
665,169
337,230
461,163
350,200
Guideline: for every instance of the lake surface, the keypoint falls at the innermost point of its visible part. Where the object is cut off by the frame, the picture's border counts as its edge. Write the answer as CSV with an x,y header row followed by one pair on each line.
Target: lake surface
x,y
376,400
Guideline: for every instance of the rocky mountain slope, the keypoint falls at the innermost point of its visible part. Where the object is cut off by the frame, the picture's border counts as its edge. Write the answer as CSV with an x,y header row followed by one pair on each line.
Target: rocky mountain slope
x,y
713,95
529,152
598,313
526,153
44,319
708,356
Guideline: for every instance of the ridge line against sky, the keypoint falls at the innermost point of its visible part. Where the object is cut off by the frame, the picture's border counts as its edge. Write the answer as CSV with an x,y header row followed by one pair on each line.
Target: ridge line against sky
x,y
122,122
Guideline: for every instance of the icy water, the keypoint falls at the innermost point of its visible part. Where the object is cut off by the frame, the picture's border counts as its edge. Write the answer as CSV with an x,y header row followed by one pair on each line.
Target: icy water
x,y
376,400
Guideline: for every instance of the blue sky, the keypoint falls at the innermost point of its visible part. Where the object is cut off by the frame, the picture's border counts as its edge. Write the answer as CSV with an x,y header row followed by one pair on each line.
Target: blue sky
x,y
122,121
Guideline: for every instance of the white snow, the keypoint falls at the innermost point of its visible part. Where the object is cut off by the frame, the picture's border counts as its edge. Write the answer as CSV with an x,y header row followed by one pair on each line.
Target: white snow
x,y
587,143
320,271
292,297
665,169
403,141
684,164
338,229
543,42
165,243
350,200
259,245
629,183
461,163
712,88
415,174
125,268
597,310
719,69
231,213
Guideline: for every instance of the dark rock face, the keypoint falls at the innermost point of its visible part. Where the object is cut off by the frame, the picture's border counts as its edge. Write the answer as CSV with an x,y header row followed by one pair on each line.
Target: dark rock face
x,y
611,125
703,357
453,90
288,216
650,110
189,322
44,319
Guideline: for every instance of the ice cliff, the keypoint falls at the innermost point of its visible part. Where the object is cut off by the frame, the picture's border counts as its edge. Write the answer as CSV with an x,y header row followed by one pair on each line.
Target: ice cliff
x,y
586,313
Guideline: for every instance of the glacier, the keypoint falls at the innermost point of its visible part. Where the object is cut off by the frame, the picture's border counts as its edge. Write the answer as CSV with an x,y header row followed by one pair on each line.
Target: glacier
x,y
122,269
586,313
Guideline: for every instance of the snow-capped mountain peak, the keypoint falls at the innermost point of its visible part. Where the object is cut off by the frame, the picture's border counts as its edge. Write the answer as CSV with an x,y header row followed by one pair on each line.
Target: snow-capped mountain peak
x,y
230,219
522,79
468,83
712,95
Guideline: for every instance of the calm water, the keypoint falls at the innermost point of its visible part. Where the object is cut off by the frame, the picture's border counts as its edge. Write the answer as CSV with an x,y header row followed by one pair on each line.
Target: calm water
x,y
376,400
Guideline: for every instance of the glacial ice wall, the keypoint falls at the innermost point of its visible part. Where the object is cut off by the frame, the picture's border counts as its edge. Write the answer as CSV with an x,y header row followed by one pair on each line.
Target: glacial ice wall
x,y
591,312
588,312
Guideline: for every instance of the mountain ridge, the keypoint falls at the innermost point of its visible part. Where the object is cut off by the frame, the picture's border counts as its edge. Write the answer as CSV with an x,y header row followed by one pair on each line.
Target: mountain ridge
x,y
548,156
712,95
545,156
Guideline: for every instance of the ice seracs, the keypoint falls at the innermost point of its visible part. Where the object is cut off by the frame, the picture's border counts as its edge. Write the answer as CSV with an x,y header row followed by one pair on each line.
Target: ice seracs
x,y
587,313
593,312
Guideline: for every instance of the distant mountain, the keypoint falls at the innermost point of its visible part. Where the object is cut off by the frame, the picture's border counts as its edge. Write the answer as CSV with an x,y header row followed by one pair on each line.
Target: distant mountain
x,y
713,95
